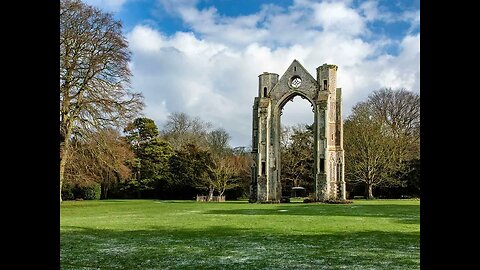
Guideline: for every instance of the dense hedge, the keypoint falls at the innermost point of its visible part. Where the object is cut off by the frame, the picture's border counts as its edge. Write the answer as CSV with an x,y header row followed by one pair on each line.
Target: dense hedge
x,y
92,192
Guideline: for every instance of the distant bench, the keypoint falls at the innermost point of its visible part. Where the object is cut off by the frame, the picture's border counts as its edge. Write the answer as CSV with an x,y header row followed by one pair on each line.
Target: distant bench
x,y
214,199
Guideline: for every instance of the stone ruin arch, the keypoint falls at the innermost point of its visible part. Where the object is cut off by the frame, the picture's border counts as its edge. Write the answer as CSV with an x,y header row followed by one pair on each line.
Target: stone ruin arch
x,y
326,102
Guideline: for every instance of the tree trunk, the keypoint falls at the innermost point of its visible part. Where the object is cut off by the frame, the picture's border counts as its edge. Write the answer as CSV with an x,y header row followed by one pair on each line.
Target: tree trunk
x,y
103,194
369,191
210,194
65,132
63,162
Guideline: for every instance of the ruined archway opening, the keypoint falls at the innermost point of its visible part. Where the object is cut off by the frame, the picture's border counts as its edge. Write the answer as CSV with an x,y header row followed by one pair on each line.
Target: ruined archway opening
x,y
297,149
326,105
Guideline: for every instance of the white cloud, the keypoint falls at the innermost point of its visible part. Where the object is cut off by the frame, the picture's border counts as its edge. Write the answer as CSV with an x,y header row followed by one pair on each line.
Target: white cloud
x,y
373,12
213,72
414,18
370,10
173,5
107,5
145,39
338,18
403,70
299,111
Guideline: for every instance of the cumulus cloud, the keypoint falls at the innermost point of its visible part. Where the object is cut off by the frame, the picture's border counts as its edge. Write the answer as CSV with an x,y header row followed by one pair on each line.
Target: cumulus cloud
x,y
211,71
339,18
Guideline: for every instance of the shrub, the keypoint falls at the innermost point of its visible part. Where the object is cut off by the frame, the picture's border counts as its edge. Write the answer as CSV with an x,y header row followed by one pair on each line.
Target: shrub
x,y
330,201
337,201
92,192
74,192
67,192
310,199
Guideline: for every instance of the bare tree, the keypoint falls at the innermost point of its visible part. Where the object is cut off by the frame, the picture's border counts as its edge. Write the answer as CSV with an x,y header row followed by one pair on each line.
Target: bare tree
x,y
181,129
285,136
218,141
380,135
370,156
243,162
224,174
94,75
399,110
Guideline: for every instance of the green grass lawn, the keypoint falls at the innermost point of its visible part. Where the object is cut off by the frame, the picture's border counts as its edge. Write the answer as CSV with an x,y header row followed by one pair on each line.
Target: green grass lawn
x,y
150,234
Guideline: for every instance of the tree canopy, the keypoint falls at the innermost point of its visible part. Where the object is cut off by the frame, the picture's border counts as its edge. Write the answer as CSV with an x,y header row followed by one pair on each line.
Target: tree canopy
x,y
381,138
94,75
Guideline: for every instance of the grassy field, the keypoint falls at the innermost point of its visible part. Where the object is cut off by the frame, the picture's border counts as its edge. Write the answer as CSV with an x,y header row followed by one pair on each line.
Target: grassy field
x,y
149,234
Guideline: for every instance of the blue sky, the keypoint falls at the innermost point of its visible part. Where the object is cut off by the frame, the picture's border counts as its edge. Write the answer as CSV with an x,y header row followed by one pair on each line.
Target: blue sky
x,y
203,57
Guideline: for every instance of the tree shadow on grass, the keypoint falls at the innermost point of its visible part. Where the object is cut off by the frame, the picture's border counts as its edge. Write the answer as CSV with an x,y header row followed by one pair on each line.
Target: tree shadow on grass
x,y
409,214
115,201
221,247
194,201
174,201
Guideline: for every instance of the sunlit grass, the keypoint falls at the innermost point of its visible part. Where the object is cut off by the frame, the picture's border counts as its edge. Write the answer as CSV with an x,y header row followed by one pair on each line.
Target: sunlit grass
x,y
149,234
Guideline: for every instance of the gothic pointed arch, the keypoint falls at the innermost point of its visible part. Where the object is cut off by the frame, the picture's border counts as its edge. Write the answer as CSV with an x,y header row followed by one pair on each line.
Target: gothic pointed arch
x,y
273,93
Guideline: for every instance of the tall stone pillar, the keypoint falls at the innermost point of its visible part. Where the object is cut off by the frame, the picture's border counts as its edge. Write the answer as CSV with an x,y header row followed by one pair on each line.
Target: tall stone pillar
x,y
321,129
262,187
254,153
327,80
339,147
264,156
